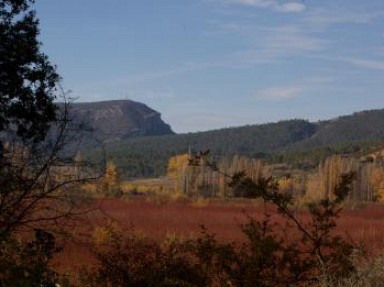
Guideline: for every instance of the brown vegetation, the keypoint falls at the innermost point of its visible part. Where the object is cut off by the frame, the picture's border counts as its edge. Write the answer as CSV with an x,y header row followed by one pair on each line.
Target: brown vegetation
x,y
364,225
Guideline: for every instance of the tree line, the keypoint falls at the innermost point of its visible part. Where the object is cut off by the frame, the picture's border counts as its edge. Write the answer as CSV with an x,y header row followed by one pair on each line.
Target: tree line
x,y
298,143
209,176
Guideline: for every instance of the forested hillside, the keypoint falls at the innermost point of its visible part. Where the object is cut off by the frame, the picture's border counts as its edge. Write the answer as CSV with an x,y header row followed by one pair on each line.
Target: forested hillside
x,y
297,142
367,125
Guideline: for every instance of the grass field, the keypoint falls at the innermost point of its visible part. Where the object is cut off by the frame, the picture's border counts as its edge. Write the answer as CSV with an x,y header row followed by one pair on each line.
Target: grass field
x,y
158,221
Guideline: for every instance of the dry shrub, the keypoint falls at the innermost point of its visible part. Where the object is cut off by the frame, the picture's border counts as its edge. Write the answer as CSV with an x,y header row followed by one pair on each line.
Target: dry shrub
x,y
369,273
90,188
200,202
128,259
306,254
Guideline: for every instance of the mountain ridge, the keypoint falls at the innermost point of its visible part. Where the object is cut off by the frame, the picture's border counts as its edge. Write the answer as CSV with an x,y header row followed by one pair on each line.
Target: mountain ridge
x,y
116,120
270,141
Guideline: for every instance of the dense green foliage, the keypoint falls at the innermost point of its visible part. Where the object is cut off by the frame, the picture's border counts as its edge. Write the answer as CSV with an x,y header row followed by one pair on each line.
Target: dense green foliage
x,y
309,158
365,125
148,156
296,142
27,79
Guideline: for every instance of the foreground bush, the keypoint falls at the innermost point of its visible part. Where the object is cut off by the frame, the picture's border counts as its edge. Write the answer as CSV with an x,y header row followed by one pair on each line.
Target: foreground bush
x,y
27,264
292,253
128,259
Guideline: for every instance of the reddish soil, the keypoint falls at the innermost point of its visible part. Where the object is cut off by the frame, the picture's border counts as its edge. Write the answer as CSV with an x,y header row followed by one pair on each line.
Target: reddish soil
x,y
157,221
182,218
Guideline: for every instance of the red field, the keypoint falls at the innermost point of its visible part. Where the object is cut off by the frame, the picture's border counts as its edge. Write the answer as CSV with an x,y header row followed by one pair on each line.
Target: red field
x,y
157,221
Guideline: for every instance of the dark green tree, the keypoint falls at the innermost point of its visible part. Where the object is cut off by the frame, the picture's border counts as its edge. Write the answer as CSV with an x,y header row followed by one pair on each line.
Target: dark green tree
x,y
37,169
28,85
37,172
28,80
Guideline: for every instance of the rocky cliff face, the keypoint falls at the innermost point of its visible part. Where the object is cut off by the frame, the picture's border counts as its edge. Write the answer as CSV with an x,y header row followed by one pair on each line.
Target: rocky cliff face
x,y
116,120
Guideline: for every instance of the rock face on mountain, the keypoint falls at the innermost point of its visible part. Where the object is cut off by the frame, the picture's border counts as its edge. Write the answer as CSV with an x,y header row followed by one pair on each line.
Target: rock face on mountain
x,y
112,121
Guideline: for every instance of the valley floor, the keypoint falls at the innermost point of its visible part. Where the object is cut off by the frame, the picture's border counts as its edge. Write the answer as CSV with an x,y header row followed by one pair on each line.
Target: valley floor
x,y
363,225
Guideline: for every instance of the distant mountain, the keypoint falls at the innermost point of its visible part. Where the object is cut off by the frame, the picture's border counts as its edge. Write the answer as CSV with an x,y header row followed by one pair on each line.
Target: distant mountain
x,y
113,121
360,126
293,140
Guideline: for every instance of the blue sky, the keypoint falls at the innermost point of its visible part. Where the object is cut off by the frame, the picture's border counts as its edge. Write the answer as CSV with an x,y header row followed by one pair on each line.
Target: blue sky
x,y
209,64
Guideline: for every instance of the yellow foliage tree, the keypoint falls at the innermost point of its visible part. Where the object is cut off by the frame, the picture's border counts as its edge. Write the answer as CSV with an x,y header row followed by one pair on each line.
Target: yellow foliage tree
x,y
111,183
177,169
177,165
286,184
377,182
331,170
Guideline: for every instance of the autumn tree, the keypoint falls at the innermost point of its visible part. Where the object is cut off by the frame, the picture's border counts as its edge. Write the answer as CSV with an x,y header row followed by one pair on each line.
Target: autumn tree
x,y
111,180
377,181
177,165
178,170
369,174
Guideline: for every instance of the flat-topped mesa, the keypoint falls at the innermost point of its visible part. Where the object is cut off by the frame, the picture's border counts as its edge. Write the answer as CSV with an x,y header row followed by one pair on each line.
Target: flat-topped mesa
x,y
119,119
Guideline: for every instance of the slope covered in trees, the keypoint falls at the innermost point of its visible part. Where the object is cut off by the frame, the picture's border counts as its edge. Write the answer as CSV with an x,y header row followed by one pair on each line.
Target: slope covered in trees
x,y
354,128
298,142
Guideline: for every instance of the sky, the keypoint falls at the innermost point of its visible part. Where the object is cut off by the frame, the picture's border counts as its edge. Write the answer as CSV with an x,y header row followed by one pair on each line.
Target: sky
x,y
211,64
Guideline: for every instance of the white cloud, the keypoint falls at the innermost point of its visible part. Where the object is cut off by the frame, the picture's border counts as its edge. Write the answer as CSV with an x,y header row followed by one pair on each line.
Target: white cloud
x,y
127,81
256,3
335,16
280,93
290,7
292,38
274,44
364,63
